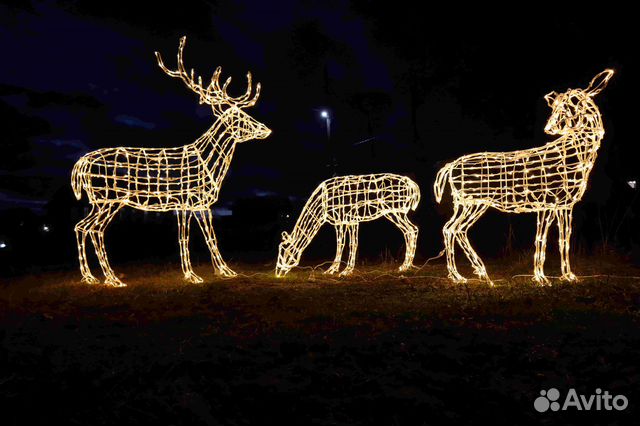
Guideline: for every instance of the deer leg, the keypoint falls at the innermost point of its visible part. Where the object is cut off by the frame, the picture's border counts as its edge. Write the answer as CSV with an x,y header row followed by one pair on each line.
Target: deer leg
x,y
449,233
545,217
353,248
184,220
564,242
335,266
82,229
470,215
410,233
104,217
205,220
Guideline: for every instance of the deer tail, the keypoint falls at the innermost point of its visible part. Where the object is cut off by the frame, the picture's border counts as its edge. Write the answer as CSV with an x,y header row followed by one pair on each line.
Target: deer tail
x,y
441,179
415,194
78,176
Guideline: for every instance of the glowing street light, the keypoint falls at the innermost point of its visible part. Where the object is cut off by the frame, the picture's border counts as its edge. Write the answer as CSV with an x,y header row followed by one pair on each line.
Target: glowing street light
x,y
327,119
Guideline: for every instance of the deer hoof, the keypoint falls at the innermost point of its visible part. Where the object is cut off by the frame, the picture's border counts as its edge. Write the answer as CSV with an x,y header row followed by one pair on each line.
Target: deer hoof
x,y
90,279
481,273
541,280
408,267
114,282
332,270
569,277
227,272
346,272
485,277
457,278
193,278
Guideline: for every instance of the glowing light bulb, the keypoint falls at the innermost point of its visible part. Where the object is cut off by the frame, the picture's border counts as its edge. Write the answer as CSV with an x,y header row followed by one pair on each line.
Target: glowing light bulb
x,y
522,182
344,202
185,179
324,114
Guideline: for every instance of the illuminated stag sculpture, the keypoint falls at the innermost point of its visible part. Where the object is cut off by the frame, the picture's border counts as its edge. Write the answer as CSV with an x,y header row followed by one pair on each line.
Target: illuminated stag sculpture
x,y
344,202
184,179
548,180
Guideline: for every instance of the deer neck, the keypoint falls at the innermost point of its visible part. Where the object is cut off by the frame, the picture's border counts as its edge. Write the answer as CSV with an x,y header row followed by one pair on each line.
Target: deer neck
x,y
587,140
311,219
216,147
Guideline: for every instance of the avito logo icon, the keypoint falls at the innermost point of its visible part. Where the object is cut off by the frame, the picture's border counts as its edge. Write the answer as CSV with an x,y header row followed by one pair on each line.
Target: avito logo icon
x,y
550,400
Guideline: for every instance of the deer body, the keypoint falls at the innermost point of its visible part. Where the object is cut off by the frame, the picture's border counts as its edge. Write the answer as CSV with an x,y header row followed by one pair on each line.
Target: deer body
x,y
344,202
185,179
163,179
547,180
526,181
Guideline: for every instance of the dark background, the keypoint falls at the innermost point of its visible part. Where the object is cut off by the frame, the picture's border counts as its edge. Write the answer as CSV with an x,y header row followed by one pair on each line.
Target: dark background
x,y
407,91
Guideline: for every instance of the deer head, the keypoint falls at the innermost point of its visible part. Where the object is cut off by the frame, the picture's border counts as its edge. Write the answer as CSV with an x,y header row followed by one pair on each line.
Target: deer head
x,y
287,258
575,109
228,109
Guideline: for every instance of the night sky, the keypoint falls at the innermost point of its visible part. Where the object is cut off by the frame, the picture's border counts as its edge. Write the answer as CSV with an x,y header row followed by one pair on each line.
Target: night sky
x,y
407,90
409,86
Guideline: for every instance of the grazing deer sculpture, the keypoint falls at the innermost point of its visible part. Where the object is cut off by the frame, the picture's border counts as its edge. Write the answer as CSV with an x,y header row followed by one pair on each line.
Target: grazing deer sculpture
x,y
548,180
185,179
344,202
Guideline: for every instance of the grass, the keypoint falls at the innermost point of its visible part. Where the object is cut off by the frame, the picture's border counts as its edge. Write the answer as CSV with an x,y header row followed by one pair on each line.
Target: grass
x,y
157,293
377,348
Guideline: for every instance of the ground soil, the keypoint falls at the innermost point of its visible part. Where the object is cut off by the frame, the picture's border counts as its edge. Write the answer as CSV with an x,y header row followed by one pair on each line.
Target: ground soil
x,y
380,348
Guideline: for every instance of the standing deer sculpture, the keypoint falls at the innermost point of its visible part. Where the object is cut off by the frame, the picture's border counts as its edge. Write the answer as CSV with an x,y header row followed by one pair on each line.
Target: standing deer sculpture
x,y
185,179
547,180
344,202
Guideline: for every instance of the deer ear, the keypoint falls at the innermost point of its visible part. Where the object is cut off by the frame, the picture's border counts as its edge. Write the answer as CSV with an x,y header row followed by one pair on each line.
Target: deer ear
x,y
550,97
599,82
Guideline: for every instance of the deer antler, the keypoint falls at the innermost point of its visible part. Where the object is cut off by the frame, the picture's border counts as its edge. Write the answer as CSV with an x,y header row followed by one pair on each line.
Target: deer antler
x,y
213,94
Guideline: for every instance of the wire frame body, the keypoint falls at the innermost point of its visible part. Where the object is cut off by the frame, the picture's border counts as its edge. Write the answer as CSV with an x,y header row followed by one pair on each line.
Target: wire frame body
x,y
546,180
185,179
344,202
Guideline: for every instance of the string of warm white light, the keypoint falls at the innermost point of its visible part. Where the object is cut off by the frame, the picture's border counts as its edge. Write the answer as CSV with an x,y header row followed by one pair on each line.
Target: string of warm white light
x,y
185,179
344,202
547,180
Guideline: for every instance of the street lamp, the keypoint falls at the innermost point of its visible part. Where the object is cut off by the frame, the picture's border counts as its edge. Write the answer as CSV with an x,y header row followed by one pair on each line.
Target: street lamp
x,y
327,119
